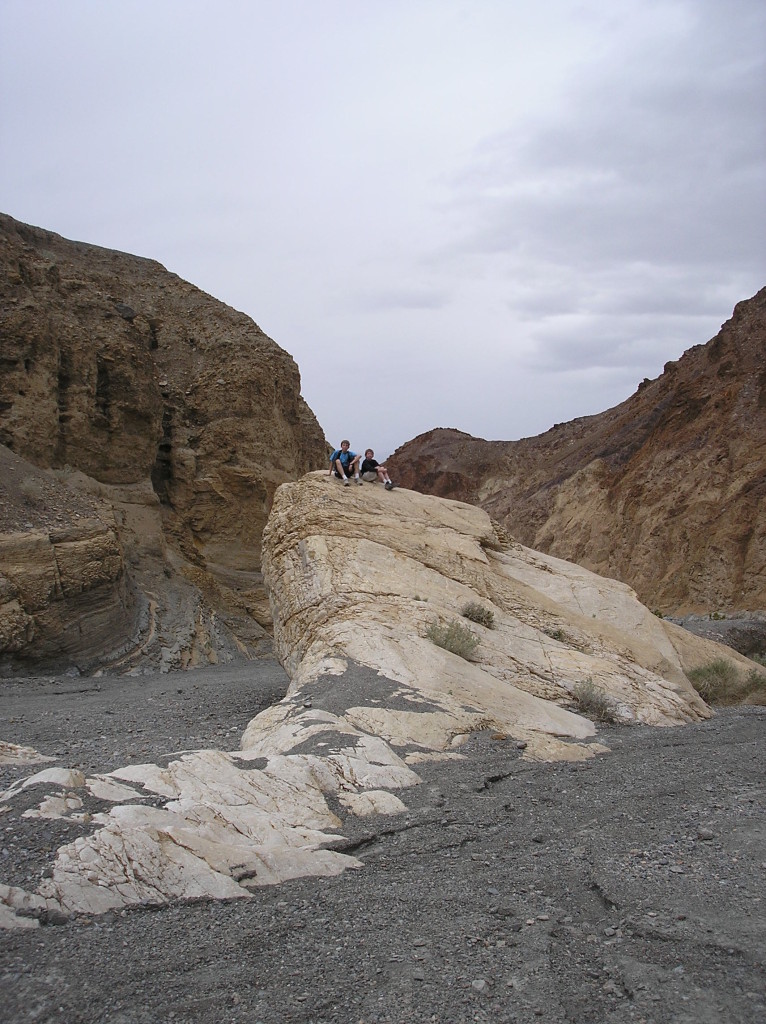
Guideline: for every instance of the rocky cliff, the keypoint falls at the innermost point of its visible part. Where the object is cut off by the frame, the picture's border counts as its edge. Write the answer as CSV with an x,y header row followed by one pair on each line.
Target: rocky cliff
x,y
168,408
666,492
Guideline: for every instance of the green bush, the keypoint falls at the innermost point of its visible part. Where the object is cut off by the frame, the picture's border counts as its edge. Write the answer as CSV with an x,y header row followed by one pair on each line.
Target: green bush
x,y
478,613
595,702
719,682
454,637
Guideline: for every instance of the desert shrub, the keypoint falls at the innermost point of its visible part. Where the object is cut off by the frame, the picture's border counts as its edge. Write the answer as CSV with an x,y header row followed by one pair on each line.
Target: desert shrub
x,y
555,634
454,637
759,659
719,682
478,613
755,687
595,702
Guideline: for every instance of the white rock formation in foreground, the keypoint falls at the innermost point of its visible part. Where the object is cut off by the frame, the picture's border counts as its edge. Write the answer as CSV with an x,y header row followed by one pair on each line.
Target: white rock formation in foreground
x,y
360,573
356,575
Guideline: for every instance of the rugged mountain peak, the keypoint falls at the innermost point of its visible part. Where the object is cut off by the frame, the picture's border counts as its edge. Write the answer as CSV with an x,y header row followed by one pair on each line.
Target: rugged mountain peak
x,y
666,491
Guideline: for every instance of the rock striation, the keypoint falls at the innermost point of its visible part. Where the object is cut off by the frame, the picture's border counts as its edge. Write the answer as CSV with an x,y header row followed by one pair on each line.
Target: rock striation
x,y
141,393
666,491
64,589
355,578
364,575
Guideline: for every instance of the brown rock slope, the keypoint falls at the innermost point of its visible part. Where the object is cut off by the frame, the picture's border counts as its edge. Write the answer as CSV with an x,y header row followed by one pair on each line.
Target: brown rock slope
x,y
666,492
140,391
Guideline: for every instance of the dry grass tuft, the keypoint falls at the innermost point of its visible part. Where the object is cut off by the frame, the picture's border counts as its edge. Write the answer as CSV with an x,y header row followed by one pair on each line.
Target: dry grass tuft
x,y
454,637
478,613
595,702
720,683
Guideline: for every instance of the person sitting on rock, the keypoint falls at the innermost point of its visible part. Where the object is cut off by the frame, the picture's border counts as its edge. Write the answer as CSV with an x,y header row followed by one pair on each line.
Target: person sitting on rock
x,y
372,470
345,463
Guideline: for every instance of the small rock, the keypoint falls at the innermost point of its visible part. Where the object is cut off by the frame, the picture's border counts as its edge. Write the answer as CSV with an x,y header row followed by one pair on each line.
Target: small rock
x,y
479,985
705,834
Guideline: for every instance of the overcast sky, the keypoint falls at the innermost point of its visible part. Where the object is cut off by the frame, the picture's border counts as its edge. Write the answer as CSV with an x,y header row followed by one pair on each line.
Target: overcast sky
x,y
493,215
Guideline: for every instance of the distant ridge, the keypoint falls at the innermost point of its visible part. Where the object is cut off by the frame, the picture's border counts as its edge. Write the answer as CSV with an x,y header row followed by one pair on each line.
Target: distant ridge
x,y
666,491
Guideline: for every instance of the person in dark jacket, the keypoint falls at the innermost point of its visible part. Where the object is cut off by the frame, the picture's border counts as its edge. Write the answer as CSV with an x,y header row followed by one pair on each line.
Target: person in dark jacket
x,y
372,470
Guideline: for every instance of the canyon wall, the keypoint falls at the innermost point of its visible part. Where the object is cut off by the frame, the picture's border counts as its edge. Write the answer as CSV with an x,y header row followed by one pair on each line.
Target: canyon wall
x,y
666,491
140,391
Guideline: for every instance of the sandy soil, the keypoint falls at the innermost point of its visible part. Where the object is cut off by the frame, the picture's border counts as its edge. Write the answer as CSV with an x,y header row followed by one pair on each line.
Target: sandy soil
x,y
629,888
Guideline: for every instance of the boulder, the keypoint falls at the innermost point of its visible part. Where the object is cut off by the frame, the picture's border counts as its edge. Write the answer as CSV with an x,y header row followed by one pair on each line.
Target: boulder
x,y
363,574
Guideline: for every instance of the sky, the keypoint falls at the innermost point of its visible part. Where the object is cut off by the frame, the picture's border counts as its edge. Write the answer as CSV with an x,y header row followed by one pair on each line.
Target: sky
x,y
488,215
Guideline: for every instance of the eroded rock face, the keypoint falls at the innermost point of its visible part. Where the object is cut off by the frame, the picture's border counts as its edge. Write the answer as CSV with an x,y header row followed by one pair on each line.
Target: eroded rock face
x,y
666,492
142,392
356,575
115,367
64,590
362,573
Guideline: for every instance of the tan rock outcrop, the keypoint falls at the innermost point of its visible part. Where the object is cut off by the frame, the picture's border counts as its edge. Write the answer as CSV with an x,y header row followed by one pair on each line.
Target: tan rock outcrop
x,y
145,394
362,575
666,492
64,591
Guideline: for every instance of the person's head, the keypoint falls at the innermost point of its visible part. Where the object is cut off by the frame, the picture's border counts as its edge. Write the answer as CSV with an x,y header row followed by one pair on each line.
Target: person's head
x,y
345,445
369,453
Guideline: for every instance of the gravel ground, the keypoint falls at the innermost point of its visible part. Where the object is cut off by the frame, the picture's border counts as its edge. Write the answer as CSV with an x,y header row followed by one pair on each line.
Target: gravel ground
x,y
628,888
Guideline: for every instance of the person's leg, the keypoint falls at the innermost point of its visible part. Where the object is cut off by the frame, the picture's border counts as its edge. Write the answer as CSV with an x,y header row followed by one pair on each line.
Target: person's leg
x,y
355,466
341,471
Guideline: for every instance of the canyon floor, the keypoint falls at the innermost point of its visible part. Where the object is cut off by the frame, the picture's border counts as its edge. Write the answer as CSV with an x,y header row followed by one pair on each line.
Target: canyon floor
x,y
627,888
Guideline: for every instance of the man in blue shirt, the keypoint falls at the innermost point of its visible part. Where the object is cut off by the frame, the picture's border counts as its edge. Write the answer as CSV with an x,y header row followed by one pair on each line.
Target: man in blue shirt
x,y
344,463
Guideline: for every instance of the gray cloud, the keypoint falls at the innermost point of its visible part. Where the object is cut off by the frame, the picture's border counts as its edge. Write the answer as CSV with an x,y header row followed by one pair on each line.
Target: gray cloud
x,y
510,222
403,298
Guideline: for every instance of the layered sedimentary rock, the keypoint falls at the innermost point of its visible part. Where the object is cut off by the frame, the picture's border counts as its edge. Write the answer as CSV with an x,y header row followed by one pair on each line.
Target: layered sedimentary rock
x,y
356,576
64,590
143,392
666,492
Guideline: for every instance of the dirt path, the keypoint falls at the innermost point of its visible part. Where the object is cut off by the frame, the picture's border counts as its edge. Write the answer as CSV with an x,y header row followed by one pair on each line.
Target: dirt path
x,y
629,888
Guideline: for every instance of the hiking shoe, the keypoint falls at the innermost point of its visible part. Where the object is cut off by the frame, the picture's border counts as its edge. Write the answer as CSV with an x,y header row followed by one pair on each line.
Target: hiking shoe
x,y
359,480
346,481
388,485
